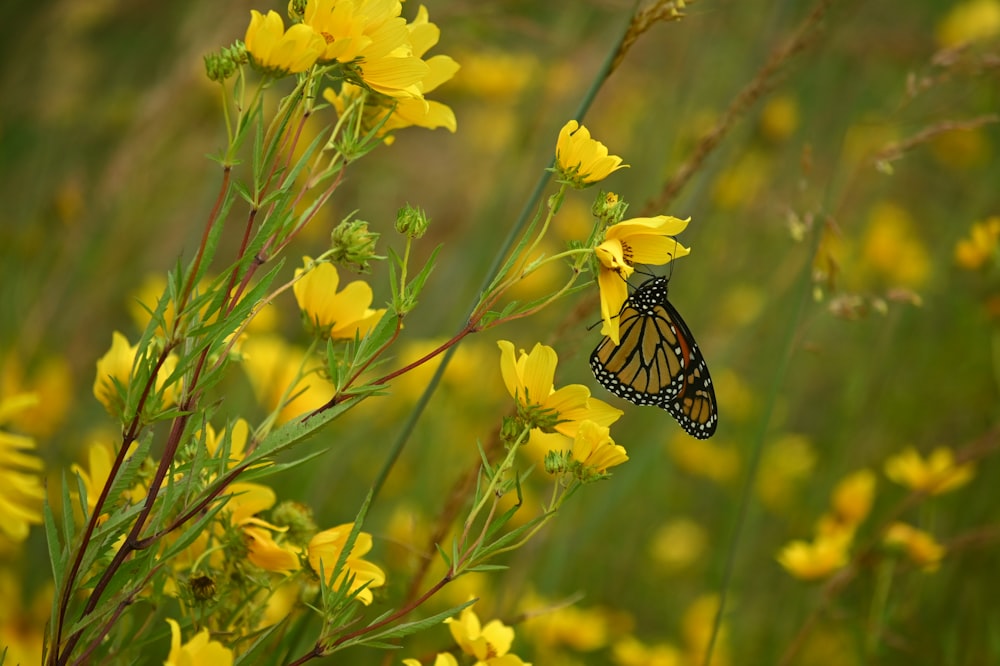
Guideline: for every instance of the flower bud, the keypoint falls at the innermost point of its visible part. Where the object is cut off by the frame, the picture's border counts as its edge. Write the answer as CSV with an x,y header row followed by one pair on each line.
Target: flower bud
x,y
412,221
352,243
220,66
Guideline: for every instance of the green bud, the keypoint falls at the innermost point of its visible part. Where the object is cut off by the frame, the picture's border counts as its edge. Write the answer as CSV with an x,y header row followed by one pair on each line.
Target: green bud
x,y
220,66
609,207
510,428
556,462
412,221
353,244
202,588
298,518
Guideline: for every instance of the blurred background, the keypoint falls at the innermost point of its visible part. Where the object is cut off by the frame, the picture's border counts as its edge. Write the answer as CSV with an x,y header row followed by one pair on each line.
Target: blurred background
x,y
844,298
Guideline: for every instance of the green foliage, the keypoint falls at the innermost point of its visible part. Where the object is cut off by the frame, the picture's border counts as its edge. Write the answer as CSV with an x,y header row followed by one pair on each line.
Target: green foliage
x,y
842,285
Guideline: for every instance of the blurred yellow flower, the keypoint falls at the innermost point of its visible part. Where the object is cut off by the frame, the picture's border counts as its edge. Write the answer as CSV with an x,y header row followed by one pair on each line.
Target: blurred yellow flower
x,y
640,240
336,315
499,77
697,627
678,544
630,651
529,380
490,645
819,559
968,22
21,491
973,252
785,464
918,545
100,458
963,149
892,247
552,626
719,462
737,185
272,365
23,617
279,52
935,475
441,659
779,118
852,498
115,368
325,549
50,381
238,433
580,160
199,651
594,448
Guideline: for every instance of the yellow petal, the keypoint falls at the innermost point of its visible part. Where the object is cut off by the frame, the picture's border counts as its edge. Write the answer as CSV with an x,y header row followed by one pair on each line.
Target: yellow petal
x,y
539,373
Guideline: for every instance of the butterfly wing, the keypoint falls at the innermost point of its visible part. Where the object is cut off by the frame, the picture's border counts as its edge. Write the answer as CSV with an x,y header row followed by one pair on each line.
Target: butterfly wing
x,y
694,405
658,361
641,369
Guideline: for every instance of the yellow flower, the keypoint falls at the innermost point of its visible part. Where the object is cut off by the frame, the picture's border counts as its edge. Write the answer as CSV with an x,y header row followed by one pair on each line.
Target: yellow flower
x,y
698,626
936,475
238,436
640,240
630,651
919,546
325,549
272,366
442,659
199,651
529,381
852,498
280,52
100,458
785,464
115,368
23,617
719,462
553,625
580,160
973,252
337,315
678,544
371,36
779,118
490,645
893,248
440,69
594,448
265,552
968,22
811,561
21,491
51,382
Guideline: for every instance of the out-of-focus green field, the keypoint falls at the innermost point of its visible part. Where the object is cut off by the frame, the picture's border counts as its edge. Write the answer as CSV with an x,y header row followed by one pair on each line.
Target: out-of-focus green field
x,y
822,286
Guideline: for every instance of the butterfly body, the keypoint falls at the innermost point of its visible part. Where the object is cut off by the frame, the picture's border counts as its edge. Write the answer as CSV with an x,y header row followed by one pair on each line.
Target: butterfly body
x,y
658,361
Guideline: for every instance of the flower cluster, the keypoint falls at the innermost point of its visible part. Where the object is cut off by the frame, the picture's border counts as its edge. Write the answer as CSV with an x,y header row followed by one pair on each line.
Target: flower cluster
x,y
569,412
372,49
851,502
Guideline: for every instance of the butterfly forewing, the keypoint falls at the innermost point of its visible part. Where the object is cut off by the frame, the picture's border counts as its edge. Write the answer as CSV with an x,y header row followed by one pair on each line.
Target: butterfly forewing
x,y
658,361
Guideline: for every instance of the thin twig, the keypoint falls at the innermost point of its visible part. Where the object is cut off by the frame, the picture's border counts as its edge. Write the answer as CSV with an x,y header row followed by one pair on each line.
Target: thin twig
x,y
749,94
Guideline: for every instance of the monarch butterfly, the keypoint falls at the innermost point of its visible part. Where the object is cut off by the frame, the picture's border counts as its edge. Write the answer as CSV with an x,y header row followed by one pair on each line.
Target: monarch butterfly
x,y
658,362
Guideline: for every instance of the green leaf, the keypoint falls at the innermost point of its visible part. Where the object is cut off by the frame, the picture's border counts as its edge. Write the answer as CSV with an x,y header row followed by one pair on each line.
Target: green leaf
x,y
57,552
408,628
